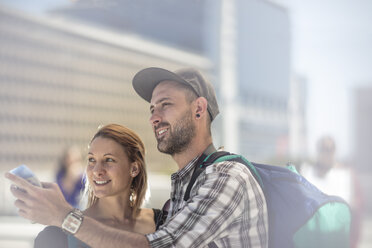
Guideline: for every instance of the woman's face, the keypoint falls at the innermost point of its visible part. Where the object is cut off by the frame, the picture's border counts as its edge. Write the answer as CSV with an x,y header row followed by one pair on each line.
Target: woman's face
x,y
109,170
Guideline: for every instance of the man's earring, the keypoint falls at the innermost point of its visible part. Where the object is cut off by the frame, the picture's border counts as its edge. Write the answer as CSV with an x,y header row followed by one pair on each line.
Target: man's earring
x,y
197,115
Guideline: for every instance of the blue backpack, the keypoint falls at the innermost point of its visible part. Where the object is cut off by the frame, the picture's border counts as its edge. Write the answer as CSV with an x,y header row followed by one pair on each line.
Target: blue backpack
x,y
300,215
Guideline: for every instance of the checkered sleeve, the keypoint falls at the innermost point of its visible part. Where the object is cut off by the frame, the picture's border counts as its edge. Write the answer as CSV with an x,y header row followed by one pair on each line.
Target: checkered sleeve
x,y
218,201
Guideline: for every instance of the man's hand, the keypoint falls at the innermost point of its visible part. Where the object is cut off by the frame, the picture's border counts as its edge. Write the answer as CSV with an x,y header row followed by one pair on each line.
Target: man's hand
x,y
42,205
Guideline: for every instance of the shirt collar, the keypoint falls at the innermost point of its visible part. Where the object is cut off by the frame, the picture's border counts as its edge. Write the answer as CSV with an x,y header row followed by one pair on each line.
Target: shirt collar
x,y
185,170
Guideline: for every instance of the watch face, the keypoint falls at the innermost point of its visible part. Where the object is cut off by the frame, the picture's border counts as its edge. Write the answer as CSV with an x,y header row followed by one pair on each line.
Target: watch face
x,y
71,223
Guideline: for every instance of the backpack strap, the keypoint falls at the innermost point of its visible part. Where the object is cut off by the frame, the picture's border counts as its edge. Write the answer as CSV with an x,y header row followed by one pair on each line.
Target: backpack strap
x,y
248,164
217,157
203,162
212,158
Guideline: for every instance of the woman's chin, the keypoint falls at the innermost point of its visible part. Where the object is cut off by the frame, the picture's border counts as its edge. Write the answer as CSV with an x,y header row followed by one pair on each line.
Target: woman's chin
x,y
100,195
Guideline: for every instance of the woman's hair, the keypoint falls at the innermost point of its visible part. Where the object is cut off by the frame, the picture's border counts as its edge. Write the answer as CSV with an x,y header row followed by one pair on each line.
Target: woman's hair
x,y
135,150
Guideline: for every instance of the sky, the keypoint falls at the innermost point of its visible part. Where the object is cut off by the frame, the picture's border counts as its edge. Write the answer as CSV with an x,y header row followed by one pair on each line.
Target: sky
x,y
36,6
331,46
332,49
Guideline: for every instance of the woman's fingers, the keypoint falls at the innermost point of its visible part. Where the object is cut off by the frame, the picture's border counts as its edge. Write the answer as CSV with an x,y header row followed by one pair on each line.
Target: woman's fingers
x,y
21,183
19,193
45,205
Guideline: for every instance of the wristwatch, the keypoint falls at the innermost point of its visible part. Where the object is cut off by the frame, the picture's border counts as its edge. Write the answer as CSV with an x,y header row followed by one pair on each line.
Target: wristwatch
x,y
72,221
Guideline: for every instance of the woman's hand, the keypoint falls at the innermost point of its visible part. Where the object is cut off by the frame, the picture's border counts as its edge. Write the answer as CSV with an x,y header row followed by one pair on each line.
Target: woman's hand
x,y
45,205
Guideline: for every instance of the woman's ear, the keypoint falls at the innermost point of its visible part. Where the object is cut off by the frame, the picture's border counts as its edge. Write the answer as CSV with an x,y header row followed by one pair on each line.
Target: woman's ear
x,y
135,170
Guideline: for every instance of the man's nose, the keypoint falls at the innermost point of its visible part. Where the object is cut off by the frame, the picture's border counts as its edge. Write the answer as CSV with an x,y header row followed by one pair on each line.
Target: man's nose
x,y
154,119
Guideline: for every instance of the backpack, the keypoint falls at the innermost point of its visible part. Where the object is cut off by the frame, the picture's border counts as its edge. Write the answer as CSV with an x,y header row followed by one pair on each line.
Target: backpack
x,y
299,214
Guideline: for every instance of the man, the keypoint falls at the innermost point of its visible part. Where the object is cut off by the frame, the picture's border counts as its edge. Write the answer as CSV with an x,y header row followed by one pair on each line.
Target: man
x,y
339,179
226,207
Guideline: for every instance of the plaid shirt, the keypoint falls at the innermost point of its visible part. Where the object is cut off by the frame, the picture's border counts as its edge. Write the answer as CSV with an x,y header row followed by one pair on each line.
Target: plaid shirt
x,y
226,208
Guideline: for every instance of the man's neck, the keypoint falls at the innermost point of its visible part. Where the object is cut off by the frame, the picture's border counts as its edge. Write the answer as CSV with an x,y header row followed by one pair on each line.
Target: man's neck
x,y
193,150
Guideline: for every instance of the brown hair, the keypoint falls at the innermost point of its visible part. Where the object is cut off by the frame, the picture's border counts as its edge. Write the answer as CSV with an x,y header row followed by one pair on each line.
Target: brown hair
x,y
135,150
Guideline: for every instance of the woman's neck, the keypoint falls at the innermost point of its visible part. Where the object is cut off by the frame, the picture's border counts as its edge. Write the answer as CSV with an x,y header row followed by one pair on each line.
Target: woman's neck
x,y
117,213
113,210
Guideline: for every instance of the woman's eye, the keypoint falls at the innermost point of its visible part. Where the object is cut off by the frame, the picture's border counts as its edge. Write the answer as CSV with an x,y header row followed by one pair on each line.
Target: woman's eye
x,y
109,160
91,160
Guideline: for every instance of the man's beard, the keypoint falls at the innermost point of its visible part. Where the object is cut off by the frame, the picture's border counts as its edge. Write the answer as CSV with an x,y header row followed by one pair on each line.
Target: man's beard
x,y
179,136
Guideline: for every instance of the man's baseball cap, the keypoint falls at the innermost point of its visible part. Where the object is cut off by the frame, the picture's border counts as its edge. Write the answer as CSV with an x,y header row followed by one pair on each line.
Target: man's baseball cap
x,y
145,81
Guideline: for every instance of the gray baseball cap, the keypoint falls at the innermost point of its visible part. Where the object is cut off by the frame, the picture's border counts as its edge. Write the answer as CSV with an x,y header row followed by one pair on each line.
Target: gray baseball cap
x,y
145,81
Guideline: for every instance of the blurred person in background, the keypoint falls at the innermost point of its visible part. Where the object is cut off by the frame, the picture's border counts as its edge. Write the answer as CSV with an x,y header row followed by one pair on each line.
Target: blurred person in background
x,y
335,178
116,187
69,176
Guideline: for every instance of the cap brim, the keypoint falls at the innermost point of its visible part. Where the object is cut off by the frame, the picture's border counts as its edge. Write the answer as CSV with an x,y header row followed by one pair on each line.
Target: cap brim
x,y
145,81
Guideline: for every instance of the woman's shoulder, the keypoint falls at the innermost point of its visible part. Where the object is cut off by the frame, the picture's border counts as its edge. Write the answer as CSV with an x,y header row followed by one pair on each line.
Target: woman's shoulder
x,y
146,214
51,236
145,221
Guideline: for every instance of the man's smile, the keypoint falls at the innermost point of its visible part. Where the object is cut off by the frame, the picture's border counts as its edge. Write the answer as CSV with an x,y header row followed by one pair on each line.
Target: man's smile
x,y
161,132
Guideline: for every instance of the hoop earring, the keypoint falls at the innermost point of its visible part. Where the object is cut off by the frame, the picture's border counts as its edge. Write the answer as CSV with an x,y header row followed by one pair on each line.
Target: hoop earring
x,y
132,197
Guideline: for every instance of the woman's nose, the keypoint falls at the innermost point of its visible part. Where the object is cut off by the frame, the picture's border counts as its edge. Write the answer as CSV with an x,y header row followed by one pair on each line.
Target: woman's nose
x,y
98,169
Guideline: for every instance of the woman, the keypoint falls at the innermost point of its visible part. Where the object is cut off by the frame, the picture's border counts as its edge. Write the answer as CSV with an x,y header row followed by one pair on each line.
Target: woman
x,y
116,187
69,175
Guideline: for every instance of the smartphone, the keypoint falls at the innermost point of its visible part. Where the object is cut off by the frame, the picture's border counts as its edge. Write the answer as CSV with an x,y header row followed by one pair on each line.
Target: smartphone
x,y
26,173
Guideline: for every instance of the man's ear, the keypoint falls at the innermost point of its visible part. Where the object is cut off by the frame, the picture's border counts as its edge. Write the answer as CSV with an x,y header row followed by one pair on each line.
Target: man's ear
x,y
201,105
135,170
